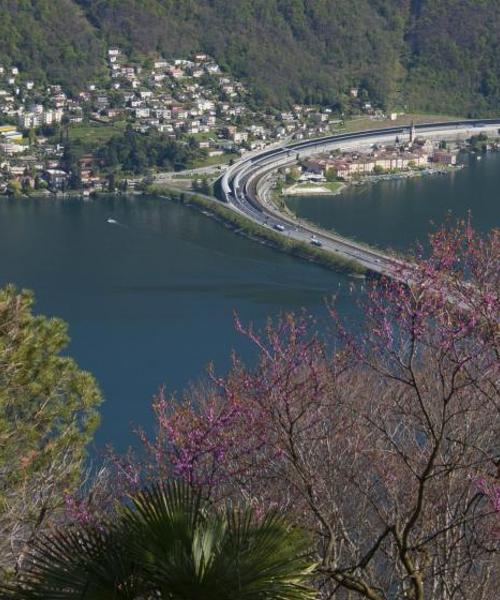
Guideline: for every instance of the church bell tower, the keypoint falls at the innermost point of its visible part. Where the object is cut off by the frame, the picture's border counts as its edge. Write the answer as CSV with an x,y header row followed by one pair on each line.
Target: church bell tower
x,y
413,133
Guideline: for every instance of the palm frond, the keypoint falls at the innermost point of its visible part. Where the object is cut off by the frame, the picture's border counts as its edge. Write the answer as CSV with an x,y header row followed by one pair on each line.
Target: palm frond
x,y
168,543
84,563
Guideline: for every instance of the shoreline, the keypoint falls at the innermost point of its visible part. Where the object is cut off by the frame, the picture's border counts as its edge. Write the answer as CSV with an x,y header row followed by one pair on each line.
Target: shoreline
x,y
443,170
76,194
241,225
321,190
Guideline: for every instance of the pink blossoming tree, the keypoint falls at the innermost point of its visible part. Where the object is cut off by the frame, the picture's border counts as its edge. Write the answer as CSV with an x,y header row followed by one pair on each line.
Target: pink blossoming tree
x,y
383,442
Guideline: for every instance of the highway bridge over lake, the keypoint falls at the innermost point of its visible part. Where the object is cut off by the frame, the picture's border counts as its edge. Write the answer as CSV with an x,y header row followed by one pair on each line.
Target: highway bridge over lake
x,y
246,185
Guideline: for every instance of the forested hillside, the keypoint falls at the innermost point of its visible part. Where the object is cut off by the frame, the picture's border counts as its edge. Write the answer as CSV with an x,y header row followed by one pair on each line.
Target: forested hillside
x,y
52,40
426,55
454,49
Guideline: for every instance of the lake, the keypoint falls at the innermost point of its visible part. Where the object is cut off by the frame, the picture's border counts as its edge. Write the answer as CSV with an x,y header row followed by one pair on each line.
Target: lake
x,y
149,301
396,213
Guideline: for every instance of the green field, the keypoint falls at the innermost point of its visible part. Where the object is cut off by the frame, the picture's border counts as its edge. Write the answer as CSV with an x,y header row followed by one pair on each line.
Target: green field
x,y
92,135
216,160
203,137
360,124
333,186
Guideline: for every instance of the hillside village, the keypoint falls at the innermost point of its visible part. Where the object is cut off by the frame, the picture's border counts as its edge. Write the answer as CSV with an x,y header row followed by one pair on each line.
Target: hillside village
x,y
189,101
188,104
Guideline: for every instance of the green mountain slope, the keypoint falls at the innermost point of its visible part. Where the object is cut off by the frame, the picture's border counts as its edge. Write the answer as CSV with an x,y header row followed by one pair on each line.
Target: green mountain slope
x,y
51,40
454,49
426,55
294,49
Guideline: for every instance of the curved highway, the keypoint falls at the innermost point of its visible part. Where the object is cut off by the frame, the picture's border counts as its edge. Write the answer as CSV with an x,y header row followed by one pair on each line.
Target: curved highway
x,y
245,186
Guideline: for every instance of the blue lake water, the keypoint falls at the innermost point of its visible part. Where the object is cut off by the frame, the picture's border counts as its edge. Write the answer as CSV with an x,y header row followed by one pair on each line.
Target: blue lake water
x,y
398,212
150,301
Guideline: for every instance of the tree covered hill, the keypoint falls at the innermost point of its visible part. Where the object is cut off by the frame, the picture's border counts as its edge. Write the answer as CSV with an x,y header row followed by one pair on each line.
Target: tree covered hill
x,y
51,40
426,55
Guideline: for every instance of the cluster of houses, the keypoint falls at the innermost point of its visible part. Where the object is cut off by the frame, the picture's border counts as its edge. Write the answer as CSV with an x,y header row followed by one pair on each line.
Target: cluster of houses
x,y
24,108
179,98
196,98
46,175
417,153
31,106
190,99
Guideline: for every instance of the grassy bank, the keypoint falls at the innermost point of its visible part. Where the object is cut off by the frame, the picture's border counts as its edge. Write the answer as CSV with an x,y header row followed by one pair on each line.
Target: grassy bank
x,y
331,187
365,123
244,226
211,161
93,135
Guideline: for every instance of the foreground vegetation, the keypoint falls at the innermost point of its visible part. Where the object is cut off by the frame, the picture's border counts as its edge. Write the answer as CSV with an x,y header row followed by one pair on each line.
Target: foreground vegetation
x,y
48,414
380,441
170,542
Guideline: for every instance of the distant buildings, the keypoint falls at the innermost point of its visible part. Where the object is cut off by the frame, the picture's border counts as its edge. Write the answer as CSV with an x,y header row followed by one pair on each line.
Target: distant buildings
x,y
382,160
39,117
191,100
57,179
444,157
10,133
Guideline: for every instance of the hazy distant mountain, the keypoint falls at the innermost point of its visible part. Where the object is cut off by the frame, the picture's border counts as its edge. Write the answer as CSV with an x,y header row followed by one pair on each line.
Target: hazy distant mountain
x,y
434,55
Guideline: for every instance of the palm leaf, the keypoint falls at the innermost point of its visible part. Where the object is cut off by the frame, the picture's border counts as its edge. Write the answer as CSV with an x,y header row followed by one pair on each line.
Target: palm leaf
x,y
84,563
168,543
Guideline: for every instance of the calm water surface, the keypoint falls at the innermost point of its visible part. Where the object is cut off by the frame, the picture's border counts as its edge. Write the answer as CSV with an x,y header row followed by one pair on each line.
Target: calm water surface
x,y
150,301
398,212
